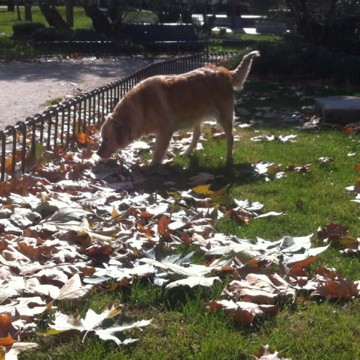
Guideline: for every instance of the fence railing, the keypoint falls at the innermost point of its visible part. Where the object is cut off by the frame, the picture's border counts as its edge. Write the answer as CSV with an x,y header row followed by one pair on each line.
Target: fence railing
x,y
58,126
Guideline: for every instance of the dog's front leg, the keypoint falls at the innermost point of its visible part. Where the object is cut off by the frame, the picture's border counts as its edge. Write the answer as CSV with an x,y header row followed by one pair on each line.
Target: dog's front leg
x,y
195,139
161,144
226,124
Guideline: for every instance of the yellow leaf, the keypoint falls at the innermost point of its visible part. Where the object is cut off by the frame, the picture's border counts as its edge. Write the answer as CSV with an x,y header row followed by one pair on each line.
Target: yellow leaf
x,y
174,195
273,169
34,156
51,332
349,242
203,190
115,214
114,312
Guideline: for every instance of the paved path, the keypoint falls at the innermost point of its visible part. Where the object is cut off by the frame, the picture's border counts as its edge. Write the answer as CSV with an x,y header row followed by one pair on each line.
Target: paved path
x,y
27,88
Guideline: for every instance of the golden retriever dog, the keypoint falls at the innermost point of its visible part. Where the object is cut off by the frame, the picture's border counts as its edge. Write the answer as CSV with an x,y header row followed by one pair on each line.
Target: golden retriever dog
x,y
164,104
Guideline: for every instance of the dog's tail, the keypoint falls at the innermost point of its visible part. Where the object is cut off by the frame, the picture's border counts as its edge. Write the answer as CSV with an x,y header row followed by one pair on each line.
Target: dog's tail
x,y
240,74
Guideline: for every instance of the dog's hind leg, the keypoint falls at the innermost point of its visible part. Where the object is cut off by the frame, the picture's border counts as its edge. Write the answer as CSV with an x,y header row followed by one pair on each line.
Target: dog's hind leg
x,y
161,144
230,142
195,139
226,123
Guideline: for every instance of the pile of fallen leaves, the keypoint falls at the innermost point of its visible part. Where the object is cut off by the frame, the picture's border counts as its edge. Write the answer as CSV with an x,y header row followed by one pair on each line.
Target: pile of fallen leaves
x,y
74,224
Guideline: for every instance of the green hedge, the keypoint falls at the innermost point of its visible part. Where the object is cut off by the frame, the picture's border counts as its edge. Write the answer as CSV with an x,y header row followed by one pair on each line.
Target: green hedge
x,y
296,59
52,34
25,29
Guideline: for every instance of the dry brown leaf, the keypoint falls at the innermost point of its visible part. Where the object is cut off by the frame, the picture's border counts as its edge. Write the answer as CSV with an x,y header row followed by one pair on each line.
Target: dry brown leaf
x,y
335,287
6,341
163,226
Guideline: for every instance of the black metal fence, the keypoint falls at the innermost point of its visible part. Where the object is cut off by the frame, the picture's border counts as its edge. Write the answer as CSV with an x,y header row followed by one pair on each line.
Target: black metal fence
x,y
58,126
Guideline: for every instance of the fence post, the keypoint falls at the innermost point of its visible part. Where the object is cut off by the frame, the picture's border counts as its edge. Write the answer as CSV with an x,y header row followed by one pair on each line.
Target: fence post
x,y
3,156
23,131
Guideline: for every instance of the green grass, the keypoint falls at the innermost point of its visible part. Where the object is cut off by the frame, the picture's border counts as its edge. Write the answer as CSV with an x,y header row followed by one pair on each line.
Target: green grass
x,y
182,326
81,21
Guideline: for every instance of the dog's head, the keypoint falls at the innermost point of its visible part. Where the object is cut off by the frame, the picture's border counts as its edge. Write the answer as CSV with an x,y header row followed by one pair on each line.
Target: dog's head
x,y
115,135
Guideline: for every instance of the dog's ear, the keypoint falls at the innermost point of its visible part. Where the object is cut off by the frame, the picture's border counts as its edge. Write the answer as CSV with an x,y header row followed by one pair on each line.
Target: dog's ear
x,y
102,120
121,132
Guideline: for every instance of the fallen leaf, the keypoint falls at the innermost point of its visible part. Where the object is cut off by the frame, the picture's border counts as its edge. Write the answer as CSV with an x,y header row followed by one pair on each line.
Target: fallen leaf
x,y
336,287
18,348
6,341
268,354
96,323
193,281
73,289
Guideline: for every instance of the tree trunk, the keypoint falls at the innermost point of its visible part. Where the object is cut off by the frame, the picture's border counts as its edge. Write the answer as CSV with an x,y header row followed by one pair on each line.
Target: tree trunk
x,y
18,12
52,16
11,5
69,4
100,22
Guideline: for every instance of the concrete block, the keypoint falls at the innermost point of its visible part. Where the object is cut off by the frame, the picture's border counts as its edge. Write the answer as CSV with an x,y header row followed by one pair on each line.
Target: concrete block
x,y
338,109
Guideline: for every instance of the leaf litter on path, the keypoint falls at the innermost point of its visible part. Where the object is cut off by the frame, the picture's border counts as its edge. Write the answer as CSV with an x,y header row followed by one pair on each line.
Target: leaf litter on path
x,y
60,240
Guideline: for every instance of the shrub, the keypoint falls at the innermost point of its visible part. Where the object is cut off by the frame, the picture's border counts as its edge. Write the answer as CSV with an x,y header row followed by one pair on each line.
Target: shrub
x,y
51,34
11,49
26,29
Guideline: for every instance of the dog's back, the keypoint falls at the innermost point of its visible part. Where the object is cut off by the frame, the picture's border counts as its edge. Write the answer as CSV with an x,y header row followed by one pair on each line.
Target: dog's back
x,y
180,101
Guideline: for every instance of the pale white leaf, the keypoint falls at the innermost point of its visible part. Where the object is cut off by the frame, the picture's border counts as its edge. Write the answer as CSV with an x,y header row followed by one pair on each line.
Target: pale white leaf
x,y
193,281
109,333
24,306
268,214
18,348
66,217
95,322
10,288
73,289
33,286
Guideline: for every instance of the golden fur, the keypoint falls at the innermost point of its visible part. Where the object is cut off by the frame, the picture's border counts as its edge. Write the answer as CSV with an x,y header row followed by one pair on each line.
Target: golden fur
x,y
163,104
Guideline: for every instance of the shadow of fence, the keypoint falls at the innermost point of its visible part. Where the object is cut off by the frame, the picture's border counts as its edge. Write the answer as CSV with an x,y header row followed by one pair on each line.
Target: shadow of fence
x,y
58,126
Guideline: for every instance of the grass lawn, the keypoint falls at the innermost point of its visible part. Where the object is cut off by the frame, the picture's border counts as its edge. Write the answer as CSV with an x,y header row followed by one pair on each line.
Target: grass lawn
x,y
313,197
81,21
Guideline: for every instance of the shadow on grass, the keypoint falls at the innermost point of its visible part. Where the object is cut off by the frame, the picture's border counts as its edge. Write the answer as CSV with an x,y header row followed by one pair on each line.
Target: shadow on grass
x,y
172,177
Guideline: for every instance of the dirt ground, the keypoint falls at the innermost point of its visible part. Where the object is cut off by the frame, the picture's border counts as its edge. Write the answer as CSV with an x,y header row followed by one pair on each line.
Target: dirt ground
x,y
27,88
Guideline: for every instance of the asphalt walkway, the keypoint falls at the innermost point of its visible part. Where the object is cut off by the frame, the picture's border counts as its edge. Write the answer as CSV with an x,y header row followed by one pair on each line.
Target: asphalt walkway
x,y
27,88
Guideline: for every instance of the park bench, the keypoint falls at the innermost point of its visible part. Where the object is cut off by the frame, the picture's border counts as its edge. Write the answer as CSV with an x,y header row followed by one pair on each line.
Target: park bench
x,y
169,37
270,27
